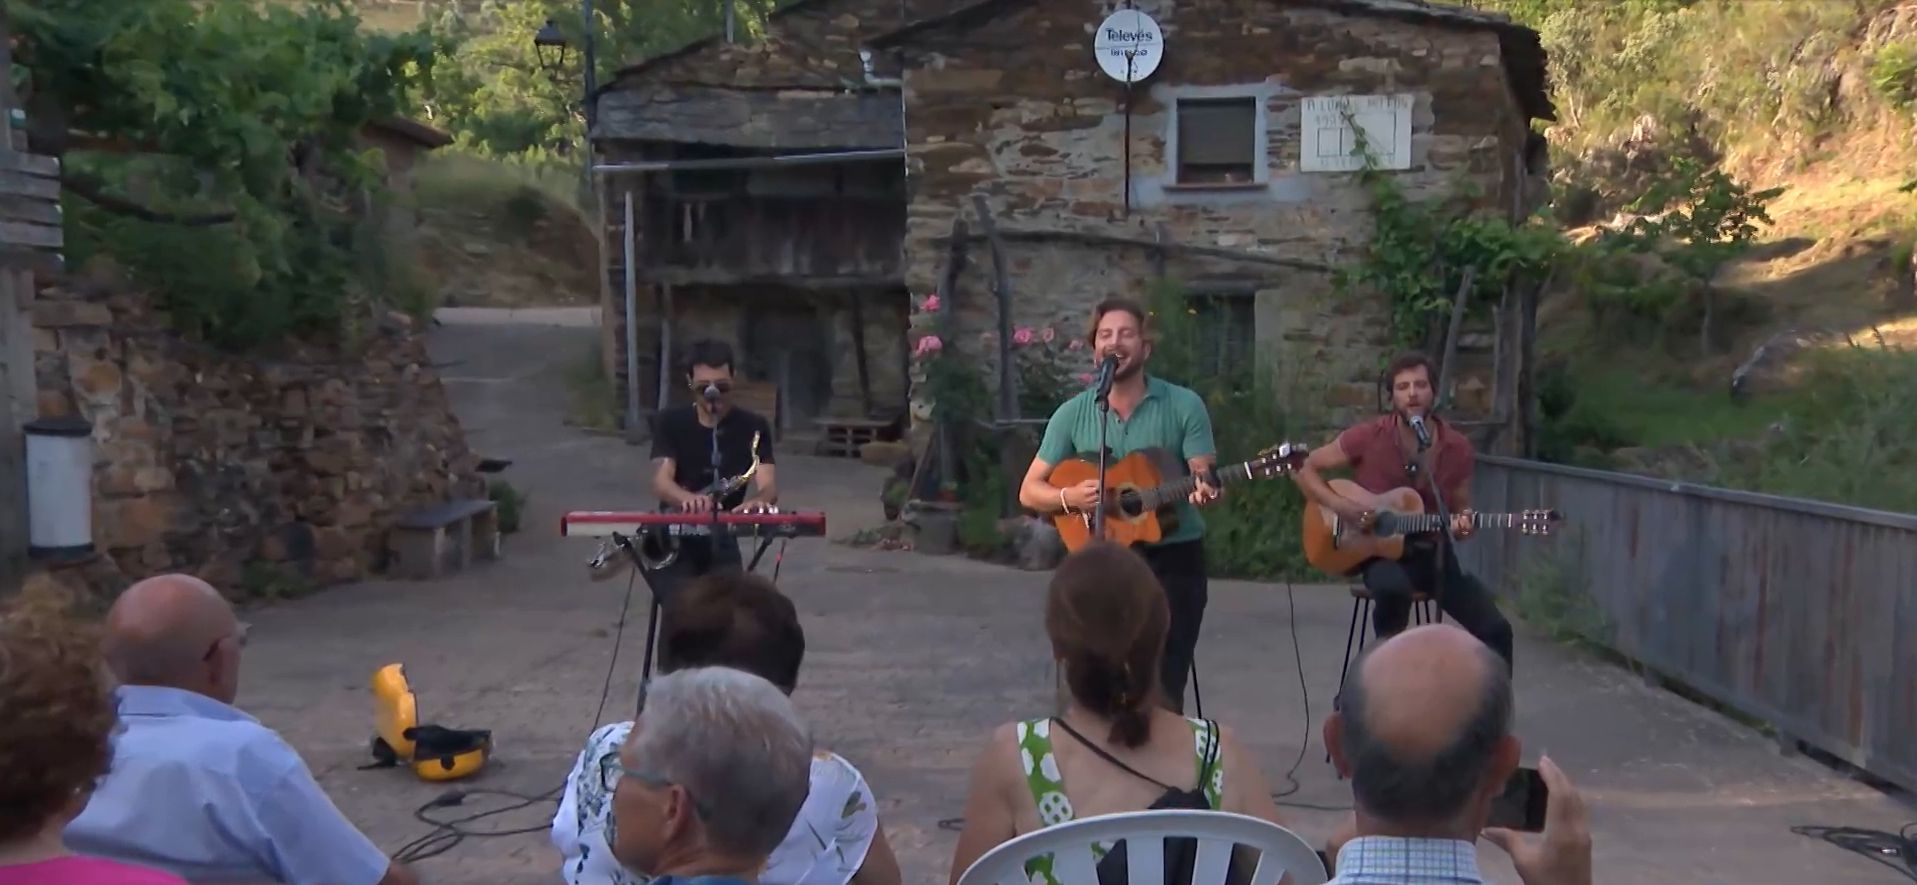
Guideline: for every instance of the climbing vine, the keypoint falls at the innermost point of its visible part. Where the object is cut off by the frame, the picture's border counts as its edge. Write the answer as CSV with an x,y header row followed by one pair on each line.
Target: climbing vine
x,y
1420,252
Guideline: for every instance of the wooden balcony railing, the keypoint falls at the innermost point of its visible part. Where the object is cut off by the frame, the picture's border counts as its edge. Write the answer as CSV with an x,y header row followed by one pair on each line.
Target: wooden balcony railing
x,y
745,237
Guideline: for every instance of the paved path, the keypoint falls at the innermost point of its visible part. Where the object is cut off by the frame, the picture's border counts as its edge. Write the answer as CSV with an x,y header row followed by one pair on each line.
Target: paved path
x,y
912,659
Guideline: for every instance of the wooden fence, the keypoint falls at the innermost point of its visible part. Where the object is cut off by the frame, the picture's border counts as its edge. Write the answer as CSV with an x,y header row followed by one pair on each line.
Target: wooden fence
x,y
1798,613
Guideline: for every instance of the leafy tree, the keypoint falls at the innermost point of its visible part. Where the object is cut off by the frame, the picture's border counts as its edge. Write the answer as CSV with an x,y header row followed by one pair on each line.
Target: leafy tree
x,y
490,91
236,115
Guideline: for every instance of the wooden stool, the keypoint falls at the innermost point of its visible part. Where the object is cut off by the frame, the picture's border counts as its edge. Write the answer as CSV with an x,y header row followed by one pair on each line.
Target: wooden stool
x,y
1422,612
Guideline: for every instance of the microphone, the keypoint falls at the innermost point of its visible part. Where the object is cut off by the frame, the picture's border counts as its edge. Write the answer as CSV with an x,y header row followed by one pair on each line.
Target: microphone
x,y
711,394
1107,368
1424,434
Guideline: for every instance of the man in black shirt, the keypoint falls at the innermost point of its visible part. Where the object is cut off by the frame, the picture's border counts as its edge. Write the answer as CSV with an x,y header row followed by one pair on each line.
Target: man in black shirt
x,y
683,441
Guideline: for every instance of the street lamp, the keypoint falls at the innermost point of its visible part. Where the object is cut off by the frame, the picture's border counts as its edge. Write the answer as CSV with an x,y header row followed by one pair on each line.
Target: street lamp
x,y
549,46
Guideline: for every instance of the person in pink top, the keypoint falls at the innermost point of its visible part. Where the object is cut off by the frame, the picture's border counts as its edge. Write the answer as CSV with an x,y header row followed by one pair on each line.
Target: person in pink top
x,y
57,719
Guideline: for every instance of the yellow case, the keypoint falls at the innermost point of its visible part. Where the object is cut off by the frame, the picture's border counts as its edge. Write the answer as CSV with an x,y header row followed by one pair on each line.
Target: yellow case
x,y
395,709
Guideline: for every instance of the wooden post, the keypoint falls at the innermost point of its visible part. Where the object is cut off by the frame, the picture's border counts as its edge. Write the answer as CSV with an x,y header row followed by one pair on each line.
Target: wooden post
x,y
1528,365
858,351
1445,367
1002,288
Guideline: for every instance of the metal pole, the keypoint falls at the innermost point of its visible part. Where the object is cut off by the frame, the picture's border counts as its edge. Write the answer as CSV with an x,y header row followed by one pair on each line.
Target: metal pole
x,y
730,17
632,319
591,65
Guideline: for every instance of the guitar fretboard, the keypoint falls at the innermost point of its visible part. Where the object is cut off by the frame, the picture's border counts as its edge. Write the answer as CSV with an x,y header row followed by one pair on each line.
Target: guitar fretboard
x,y
1179,490
1431,522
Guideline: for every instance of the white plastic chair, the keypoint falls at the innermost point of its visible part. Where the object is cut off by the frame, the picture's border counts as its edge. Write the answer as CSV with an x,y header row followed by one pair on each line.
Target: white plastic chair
x,y
1145,832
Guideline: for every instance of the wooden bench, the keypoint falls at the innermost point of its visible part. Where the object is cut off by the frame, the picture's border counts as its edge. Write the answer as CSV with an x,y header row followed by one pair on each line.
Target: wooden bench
x,y
845,436
444,539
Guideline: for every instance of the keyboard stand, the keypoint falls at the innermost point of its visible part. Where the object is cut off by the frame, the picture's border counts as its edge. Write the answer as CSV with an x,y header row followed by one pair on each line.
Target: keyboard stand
x,y
652,619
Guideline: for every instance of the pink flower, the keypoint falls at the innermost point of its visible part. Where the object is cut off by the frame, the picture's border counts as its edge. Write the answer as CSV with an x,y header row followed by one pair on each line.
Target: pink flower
x,y
930,304
1075,344
1022,337
1047,334
927,346
1084,377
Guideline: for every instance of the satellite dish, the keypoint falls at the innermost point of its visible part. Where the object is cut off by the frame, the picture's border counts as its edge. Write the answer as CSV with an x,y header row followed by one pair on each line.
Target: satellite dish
x,y
1128,46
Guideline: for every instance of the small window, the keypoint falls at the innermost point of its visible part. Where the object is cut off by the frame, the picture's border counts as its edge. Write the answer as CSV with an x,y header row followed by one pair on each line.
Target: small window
x,y
1218,141
1226,331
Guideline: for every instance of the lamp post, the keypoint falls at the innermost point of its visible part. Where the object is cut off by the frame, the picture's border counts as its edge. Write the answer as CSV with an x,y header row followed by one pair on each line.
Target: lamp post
x,y
550,46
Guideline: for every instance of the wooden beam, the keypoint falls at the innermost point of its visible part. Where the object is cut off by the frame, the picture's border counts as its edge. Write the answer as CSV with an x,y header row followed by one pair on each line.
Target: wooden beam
x,y
32,211
1091,238
29,164
39,236
34,260
20,184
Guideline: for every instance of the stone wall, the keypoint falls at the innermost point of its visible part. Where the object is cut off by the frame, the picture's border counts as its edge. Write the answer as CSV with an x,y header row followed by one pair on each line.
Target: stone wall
x,y
207,462
1015,108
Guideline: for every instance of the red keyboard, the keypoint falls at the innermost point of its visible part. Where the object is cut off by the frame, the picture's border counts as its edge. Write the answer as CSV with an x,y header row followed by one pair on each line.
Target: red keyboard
x,y
600,523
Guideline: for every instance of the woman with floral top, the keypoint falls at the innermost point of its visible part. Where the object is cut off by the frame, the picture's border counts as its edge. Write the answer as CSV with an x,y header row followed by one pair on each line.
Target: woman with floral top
x,y
1116,748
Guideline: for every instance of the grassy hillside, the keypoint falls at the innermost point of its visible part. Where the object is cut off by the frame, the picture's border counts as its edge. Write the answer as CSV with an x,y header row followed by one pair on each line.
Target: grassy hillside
x,y
1795,120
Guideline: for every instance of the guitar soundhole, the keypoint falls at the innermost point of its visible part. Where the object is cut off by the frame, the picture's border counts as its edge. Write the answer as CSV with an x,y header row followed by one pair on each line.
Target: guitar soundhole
x,y
1129,504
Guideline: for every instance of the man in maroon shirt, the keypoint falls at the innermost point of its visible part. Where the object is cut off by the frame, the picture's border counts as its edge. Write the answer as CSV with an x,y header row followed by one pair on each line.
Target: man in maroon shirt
x,y
1383,455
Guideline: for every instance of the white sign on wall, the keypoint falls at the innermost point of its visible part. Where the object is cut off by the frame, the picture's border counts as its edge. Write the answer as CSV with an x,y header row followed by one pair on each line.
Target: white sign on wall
x,y
1328,144
1128,46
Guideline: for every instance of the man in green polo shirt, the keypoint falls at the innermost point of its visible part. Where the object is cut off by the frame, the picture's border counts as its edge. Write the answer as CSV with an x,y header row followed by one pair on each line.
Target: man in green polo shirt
x,y
1146,413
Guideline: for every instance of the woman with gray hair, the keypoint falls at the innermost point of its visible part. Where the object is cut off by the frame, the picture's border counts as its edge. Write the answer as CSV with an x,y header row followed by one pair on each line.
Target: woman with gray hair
x,y
711,778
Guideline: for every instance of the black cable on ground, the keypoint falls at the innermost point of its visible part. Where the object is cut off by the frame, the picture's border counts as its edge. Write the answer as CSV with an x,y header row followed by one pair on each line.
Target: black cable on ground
x,y
448,833
1304,743
1897,851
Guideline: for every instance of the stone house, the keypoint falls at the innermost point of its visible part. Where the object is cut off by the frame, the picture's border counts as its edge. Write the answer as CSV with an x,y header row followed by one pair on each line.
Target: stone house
x,y
766,190
1227,169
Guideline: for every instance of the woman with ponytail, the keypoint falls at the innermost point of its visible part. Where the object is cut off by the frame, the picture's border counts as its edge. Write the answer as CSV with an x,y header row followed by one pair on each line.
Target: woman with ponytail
x,y
1116,748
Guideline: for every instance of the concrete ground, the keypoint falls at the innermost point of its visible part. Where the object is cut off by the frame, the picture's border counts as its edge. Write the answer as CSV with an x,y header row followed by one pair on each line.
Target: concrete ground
x,y
912,659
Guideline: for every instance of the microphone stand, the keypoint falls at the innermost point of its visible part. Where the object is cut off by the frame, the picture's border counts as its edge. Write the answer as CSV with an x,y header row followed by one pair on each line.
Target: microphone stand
x,y
1441,572
718,471
1104,454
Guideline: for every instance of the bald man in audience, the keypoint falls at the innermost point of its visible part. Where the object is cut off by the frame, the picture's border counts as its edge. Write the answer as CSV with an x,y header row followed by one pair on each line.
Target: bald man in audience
x,y
1423,731
198,788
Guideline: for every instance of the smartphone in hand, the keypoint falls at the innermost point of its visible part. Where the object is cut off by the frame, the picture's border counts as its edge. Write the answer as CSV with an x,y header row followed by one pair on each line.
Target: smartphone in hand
x,y
1521,805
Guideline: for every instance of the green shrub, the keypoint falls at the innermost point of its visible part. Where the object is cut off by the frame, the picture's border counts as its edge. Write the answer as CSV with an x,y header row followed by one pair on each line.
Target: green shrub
x,y
1254,530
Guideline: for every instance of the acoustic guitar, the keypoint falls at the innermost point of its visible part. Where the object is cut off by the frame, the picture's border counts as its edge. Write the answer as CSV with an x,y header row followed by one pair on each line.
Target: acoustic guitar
x,y
1335,546
1139,501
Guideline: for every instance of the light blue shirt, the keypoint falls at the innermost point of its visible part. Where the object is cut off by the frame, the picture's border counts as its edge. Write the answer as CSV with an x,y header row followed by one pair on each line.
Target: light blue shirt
x,y
1395,860
204,791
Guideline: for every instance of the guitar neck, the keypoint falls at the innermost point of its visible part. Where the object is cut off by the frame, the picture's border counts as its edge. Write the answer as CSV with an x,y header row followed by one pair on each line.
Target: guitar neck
x,y
1179,490
1431,522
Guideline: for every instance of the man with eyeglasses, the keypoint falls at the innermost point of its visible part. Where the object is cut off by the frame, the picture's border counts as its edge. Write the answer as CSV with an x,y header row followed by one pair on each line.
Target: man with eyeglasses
x,y
710,779
706,444
197,787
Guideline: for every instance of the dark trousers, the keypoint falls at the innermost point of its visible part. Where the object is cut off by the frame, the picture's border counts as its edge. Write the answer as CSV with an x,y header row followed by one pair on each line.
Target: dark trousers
x,y
1180,569
1462,596
697,557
